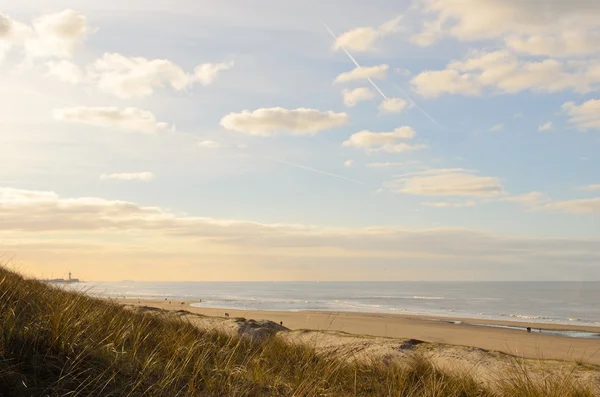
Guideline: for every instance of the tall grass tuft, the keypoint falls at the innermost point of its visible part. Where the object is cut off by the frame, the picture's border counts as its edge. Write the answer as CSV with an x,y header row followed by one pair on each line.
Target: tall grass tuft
x,y
59,343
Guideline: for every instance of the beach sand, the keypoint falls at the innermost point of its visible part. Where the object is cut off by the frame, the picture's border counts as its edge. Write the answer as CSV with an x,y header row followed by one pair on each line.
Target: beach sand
x,y
488,354
422,328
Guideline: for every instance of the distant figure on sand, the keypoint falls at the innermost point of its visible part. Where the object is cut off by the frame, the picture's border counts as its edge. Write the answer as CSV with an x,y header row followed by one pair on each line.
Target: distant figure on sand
x,y
281,323
226,314
528,329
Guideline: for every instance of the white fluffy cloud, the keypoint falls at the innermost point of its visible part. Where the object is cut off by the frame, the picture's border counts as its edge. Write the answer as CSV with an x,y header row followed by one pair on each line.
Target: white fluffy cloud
x,y
208,144
57,35
392,105
6,25
130,119
486,19
430,34
5,32
65,71
349,163
60,34
384,141
130,77
353,97
129,176
502,71
365,38
447,182
565,44
206,73
363,73
272,121
555,29
580,206
545,127
585,116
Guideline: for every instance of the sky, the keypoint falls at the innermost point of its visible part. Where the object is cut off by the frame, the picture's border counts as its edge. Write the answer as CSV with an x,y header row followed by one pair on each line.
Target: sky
x,y
283,141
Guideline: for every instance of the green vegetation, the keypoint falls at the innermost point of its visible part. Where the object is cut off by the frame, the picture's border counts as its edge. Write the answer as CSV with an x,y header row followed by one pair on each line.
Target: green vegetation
x,y
57,343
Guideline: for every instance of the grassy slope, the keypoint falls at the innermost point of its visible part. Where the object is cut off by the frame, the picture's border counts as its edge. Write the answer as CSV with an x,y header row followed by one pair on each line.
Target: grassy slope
x,y
55,343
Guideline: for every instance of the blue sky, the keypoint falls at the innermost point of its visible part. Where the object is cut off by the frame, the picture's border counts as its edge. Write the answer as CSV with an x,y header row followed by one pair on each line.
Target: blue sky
x,y
150,136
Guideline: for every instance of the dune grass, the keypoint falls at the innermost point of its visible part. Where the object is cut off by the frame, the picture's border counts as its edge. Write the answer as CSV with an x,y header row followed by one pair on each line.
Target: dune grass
x,y
58,343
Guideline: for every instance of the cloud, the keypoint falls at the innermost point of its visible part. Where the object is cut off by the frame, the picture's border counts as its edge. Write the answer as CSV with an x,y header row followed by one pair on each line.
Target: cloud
x,y
565,44
57,35
392,105
209,144
503,72
6,25
402,164
364,38
65,71
273,121
207,73
446,182
585,116
430,34
353,97
135,176
129,119
580,206
385,141
496,127
545,127
136,77
531,199
445,204
6,30
469,20
349,163
363,73
27,213
590,187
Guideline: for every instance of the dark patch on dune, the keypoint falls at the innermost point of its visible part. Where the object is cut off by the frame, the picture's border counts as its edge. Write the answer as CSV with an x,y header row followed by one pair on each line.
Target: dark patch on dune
x,y
148,309
409,344
258,330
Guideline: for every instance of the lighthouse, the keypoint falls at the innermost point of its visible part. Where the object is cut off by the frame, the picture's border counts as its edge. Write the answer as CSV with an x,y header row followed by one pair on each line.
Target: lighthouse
x,y
69,276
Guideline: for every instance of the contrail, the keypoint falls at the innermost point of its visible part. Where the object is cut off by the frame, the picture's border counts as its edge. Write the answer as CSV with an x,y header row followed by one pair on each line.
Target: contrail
x,y
418,107
354,60
375,85
303,167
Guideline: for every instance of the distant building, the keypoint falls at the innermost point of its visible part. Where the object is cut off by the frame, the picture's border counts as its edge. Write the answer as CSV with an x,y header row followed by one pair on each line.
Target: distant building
x,y
70,280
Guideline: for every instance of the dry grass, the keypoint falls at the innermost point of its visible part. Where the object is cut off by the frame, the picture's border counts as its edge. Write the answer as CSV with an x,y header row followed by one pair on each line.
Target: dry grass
x,y
57,343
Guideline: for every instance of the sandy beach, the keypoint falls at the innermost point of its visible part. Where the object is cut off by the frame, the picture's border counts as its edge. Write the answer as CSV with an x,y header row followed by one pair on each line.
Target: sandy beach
x,y
428,329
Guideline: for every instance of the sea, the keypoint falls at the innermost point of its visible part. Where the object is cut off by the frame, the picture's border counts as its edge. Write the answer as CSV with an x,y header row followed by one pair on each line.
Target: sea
x,y
573,303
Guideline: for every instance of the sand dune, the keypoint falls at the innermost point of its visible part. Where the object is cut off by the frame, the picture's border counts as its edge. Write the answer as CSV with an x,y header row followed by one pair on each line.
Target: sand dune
x,y
483,351
516,342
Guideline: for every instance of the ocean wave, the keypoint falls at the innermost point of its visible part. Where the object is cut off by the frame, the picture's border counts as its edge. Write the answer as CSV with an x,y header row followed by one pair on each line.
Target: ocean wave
x,y
530,317
436,298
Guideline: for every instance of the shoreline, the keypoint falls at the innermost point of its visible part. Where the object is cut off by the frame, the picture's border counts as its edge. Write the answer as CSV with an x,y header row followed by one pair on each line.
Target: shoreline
x,y
445,331
466,320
